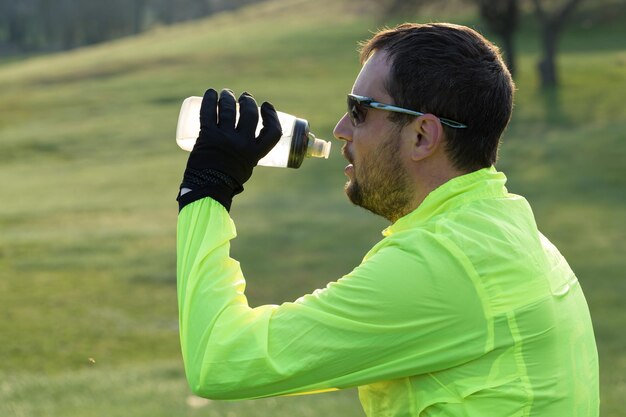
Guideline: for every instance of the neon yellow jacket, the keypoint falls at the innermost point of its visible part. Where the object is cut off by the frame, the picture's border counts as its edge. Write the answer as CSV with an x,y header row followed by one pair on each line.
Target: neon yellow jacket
x,y
463,309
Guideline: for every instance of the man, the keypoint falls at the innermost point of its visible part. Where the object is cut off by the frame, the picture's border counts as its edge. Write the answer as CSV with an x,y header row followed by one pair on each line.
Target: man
x,y
463,309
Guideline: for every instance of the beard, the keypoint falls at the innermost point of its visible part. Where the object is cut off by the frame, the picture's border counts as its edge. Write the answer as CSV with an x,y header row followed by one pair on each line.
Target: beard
x,y
380,184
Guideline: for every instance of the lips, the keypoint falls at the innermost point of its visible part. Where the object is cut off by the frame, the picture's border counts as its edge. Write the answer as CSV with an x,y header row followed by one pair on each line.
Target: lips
x,y
349,170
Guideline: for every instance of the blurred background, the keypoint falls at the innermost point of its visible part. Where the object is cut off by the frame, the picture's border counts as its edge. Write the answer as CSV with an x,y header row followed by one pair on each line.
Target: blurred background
x,y
89,171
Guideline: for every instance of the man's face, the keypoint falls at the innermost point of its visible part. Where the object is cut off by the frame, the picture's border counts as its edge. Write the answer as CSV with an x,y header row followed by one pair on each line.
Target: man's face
x,y
377,179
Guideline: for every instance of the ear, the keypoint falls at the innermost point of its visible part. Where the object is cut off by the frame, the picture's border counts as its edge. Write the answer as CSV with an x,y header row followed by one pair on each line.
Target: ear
x,y
426,135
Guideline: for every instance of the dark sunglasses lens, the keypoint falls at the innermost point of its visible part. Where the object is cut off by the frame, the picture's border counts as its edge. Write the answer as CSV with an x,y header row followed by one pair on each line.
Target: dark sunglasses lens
x,y
356,111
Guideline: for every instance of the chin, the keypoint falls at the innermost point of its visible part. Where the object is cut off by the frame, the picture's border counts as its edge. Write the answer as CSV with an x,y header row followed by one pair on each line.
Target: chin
x,y
353,192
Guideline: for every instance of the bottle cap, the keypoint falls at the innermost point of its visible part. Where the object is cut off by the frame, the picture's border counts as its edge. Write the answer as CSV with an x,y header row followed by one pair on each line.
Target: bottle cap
x,y
318,148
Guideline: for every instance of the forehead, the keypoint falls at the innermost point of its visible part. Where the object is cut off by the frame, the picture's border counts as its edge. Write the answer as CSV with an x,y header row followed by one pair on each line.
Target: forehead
x,y
371,80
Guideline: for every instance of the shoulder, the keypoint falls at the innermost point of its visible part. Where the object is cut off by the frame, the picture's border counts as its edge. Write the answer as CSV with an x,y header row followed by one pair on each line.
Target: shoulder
x,y
422,268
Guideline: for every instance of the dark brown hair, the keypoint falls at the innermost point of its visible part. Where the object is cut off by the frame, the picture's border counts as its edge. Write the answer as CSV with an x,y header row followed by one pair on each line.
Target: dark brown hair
x,y
450,71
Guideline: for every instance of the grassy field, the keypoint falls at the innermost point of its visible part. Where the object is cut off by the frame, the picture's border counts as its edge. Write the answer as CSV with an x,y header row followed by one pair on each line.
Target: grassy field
x,y
90,171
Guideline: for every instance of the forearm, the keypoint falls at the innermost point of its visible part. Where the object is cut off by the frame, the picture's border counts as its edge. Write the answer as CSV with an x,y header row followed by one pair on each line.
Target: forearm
x,y
225,343
208,280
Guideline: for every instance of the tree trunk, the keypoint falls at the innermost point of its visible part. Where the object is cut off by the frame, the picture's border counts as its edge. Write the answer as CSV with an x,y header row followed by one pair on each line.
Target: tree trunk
x,y
137,23
547,64
551,26
167,14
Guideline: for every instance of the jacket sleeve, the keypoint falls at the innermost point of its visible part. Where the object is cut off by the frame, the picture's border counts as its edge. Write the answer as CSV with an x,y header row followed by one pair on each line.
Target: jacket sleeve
x,y
394,315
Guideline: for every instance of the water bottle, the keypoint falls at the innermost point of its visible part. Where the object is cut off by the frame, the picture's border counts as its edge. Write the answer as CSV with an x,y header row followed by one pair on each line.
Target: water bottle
x,y
296,143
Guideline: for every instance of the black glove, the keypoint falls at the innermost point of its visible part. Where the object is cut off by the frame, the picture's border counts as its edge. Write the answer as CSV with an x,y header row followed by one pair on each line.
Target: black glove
x,y
224,155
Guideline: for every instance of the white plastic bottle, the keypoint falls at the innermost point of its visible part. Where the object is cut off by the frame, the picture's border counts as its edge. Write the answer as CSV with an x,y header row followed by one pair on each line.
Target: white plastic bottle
x,y
296,143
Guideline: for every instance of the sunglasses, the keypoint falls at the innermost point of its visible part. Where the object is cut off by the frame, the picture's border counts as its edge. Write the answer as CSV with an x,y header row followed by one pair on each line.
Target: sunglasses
x,y
358,105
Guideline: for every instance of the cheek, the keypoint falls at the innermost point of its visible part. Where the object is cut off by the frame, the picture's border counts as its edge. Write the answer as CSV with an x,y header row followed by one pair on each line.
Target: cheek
x,y
368,139
365,161
363,147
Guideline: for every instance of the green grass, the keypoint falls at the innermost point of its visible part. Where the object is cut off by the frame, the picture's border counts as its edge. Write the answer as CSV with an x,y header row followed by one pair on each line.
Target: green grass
x,y
90,170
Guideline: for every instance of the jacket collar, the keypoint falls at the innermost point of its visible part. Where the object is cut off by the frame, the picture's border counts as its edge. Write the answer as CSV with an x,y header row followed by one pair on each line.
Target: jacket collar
x,y
484,183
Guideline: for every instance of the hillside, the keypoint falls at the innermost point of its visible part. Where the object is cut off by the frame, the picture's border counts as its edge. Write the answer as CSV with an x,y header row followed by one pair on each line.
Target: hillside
x,y
90,171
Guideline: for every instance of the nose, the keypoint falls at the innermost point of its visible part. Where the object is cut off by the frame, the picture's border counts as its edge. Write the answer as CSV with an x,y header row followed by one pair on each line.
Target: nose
x,y
343,130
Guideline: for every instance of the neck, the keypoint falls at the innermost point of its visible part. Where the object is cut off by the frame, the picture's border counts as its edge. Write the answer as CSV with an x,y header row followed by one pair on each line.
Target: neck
x,y
429,176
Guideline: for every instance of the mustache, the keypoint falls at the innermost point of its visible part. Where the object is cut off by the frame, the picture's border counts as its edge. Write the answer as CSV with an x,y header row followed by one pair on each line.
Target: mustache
x,y
346,153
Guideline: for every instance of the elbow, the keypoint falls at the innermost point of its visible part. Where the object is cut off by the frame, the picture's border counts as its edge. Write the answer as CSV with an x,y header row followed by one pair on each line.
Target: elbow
x,y
204,378
202,390
208,386
202,387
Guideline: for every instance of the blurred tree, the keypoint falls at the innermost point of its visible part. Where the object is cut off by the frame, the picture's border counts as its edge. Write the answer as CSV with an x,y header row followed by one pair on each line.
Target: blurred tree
x,y
398,7
138,12
48,25
552,23
12,22
502,18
